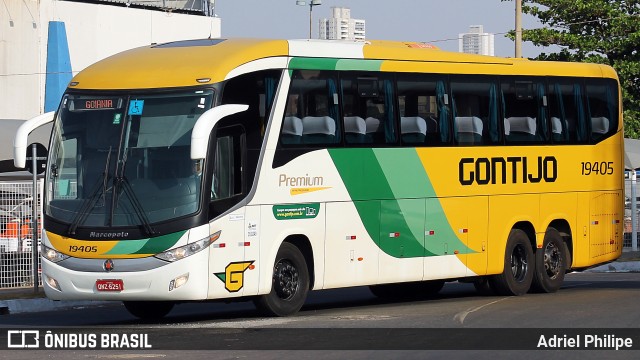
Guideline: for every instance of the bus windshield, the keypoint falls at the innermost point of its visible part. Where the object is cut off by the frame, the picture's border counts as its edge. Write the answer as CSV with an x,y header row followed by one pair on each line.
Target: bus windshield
x,y
124,160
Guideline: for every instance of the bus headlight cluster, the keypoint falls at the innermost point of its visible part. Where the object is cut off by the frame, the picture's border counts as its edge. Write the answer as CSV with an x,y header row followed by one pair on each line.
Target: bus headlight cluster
x,y
189,249
53,255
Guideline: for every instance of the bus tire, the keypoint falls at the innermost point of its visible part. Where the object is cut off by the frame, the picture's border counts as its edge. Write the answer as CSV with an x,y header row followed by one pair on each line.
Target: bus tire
x,y
290,284
148,310
518,270
550,263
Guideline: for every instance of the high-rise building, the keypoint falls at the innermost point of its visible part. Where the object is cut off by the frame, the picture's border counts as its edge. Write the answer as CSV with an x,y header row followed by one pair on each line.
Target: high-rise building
x,y
341,26
476,41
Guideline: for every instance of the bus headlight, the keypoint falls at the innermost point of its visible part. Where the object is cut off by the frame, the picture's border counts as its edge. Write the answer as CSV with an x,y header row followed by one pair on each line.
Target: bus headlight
x,y
52,254
189,249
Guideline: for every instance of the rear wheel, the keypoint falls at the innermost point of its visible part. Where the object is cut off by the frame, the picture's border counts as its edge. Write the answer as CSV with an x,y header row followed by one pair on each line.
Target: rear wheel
x,y
518,270
550,263
148,310
290,284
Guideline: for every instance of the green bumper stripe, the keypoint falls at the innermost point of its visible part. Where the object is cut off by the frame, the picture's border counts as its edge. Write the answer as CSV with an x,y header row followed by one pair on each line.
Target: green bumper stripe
x,y
127,247
161,243
146,246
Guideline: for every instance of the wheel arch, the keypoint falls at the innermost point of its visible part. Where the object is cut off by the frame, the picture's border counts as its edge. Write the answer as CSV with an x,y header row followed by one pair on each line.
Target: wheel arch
x,y
528,229
564,229
303,244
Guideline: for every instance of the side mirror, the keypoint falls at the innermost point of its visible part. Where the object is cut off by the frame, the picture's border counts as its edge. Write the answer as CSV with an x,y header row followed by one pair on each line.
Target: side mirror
x,y
204,125
20,142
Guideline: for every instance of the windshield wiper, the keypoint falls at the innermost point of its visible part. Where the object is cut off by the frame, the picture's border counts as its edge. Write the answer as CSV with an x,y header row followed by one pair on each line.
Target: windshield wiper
x,y
137,206
90,202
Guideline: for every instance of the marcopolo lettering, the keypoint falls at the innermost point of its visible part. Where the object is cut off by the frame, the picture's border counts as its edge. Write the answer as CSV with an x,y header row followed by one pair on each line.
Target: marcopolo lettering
x,y
509,170
110,235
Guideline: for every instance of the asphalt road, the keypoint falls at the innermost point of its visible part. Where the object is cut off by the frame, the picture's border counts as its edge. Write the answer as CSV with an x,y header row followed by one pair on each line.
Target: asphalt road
x,y
337,319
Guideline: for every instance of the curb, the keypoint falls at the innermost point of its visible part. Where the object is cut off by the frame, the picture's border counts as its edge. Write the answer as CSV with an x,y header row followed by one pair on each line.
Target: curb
x,y
17,306
618,266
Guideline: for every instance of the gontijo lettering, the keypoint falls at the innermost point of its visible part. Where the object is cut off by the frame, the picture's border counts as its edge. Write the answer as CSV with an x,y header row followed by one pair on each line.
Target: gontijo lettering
x,y
509,170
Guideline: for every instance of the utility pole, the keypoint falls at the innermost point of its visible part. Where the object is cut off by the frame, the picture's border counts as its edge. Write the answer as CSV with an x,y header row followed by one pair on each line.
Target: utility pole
x,y
518,29
311,4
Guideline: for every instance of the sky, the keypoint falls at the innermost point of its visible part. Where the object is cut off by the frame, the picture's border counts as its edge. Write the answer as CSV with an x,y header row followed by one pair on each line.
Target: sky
x,y
438,22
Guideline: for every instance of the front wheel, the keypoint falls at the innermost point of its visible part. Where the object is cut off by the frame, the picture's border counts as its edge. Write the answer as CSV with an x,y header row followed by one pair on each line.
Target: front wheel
x,y
290,284
550,263
519,265
148,310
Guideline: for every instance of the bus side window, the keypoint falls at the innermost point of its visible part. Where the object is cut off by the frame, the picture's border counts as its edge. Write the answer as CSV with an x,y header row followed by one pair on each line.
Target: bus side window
x,y
312,110
523,110
423,108
368,108
475,110
567,111
601,104
227,168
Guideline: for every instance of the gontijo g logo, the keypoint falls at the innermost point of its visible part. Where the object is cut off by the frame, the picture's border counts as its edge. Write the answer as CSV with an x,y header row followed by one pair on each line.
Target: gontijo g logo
x,y
233,275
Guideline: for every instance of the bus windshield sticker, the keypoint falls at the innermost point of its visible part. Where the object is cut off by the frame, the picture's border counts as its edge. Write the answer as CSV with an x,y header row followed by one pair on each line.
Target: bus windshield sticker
x,y
116,119
135,107
296,211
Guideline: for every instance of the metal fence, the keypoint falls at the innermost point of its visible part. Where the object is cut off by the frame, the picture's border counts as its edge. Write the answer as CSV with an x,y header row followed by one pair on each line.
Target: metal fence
x,y
16,233
630,215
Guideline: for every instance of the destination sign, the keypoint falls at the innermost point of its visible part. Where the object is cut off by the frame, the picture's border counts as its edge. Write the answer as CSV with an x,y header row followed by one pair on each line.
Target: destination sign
x,y
96,104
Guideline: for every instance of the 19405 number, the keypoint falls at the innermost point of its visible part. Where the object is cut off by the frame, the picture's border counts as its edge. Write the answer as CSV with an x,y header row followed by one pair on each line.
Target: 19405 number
x,y
86,249
598,168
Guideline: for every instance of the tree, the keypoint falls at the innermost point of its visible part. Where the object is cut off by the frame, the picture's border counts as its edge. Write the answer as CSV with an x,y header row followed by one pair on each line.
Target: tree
x,y
598,31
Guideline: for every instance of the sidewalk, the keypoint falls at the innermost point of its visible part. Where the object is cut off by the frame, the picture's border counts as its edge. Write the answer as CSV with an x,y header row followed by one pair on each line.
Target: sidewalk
x,y
23,300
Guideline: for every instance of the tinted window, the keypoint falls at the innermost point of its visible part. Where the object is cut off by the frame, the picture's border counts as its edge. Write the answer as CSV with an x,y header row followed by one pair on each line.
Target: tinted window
x,y
475,110
312,110
424,110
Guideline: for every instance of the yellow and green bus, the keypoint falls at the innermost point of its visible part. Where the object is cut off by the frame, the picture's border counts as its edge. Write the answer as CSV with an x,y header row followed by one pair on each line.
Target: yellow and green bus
x,y
260,169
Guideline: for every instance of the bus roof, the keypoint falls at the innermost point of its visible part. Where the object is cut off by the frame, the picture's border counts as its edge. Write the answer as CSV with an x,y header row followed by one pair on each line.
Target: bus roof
x,y
192,62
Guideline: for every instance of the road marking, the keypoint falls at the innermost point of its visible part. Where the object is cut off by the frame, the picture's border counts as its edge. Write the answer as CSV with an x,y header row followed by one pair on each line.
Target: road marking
x,y
463,314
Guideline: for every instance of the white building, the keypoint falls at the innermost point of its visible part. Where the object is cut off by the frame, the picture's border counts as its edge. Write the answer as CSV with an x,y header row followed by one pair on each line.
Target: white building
x,y
341,26
43,43
476,41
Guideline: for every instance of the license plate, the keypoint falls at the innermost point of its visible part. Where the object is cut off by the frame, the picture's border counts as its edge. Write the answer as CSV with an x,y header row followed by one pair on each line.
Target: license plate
x,y
109,285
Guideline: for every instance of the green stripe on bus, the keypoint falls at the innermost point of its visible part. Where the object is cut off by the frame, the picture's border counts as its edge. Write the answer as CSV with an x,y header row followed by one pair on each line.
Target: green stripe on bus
x,y
358,64
127,247
351,164
159,244
334,64
408,179
313,63
397,180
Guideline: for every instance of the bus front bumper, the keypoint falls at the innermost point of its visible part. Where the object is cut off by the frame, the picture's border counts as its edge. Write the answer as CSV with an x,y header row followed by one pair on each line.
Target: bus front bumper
x,y
185,279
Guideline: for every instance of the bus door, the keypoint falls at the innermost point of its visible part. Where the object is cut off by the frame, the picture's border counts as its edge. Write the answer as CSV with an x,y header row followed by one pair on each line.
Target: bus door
x,y
228,264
